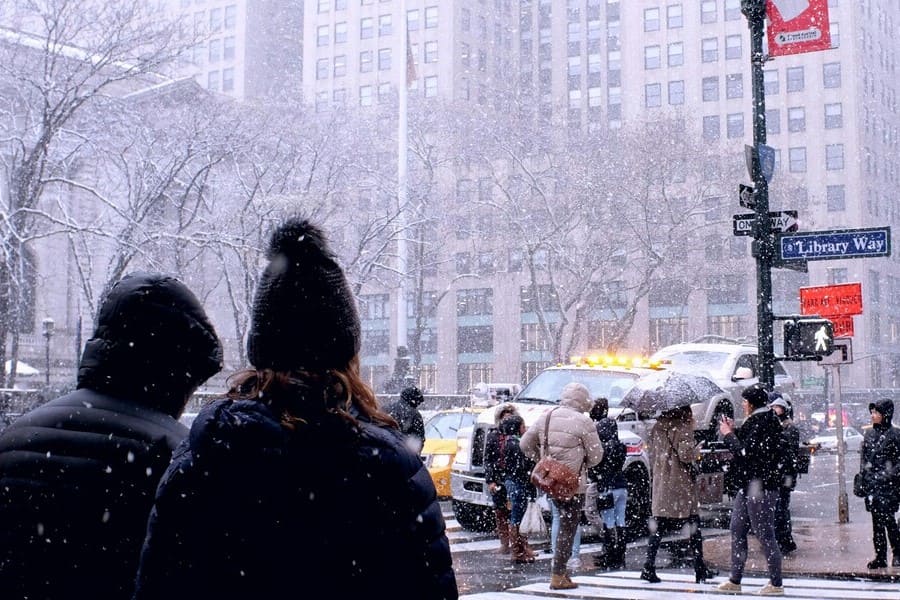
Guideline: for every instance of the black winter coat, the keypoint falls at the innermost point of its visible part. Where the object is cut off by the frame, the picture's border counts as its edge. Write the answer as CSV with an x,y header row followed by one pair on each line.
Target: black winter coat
x,y
880,462
755,446
608,474
79,473
249,509
408,418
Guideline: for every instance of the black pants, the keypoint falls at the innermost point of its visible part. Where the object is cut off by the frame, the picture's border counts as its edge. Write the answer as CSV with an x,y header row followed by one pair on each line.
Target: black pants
x,y
664,525
783,529
882,522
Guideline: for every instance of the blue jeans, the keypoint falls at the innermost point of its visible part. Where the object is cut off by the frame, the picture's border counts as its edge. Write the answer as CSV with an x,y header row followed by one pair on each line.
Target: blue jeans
x,y
756,511
615,516
518,500
554,532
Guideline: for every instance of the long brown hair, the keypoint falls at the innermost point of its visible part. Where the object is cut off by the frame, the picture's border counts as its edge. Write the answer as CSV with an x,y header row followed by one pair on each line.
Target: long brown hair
x,y
293,394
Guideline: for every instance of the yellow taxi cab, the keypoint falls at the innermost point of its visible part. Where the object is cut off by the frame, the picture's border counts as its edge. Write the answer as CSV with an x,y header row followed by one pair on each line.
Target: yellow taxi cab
x,y
440,445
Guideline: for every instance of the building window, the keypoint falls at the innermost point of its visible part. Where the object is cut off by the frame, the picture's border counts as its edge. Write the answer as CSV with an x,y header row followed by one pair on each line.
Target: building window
x,y
838,275
726,289
796,119
532,338
365,61
732,10
709,49
708,11
339,96
795,79
376,341
652,95
324,6
797,159
834,198
412,19
431,86
365,95
834,157
773,120
384,92
212,81
711,127
385,25
834,116
651,57
228,47
515,260
384,59
322,68
340,33
735,125
711,89
732,47
366,28
431,17
676,92
674,16
230,16
667,331
321,101
474,302
470,374
676,54
228,79
770,82
340,4
831,75
651,19
431,52
734,86
340,66
322,33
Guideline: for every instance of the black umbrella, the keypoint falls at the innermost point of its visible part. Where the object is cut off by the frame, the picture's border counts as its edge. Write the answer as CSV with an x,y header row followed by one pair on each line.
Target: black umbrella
x,y
660,391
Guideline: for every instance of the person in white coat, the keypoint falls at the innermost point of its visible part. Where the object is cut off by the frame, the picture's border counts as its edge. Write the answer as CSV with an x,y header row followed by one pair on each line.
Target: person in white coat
x,y
572,439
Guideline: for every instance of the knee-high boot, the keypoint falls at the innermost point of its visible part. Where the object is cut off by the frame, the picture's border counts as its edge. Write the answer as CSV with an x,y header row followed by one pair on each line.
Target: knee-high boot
x,y
618,559
702,572
602,560
521,552
649,571
501,518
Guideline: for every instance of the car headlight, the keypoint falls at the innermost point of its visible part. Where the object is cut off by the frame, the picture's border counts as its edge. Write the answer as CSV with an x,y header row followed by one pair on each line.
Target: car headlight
x,y
441,460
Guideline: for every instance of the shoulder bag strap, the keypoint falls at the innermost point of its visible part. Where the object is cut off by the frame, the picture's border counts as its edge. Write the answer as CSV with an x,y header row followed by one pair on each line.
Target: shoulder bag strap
x,y
546,445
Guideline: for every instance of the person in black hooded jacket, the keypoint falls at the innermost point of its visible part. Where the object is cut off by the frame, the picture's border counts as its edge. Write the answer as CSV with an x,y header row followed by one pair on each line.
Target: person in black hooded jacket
x,y
78,474
405,410
297,481
879,464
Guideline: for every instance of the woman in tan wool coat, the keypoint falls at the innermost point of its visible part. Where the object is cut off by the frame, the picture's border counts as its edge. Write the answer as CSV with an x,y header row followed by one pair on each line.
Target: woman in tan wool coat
x,y
674,503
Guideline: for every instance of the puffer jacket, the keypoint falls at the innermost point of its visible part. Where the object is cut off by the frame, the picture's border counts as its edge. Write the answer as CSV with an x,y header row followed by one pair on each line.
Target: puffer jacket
x,y
880,461
672,450
79,473
572,438
756,446
250,509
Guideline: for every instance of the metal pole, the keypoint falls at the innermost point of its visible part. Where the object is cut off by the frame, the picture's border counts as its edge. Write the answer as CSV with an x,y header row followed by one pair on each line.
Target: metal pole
x,y
402,166
843,505
763,243
47,359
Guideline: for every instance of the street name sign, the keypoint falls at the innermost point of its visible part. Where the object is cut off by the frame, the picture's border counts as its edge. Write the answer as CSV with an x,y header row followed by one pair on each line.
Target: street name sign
x,y
840,299
782,220
835,244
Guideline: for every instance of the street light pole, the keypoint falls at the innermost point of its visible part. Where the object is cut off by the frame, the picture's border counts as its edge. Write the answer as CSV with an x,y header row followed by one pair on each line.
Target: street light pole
x,y
763,242
48,324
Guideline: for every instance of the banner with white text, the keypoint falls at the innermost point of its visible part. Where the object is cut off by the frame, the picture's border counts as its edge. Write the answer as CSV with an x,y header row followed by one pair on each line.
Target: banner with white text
x,y
796,26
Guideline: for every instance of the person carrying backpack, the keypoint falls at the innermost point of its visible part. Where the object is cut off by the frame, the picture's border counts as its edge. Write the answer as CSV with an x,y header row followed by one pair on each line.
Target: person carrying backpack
x,y
609,478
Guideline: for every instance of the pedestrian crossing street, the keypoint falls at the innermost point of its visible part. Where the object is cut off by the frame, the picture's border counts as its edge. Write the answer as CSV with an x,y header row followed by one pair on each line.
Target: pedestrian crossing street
x,y
627,585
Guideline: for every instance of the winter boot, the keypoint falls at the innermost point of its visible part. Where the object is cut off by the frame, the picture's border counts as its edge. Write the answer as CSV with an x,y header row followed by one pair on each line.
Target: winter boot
x,y
619,548
562,582
702,572
521,553
649,571
602,561
501,518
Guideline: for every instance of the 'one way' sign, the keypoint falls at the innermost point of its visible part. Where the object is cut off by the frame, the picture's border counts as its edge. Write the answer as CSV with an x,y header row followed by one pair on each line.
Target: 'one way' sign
x,y
782,220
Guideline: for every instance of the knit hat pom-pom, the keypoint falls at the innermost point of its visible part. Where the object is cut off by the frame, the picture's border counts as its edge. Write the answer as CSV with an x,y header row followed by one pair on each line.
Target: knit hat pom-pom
x,y
298,238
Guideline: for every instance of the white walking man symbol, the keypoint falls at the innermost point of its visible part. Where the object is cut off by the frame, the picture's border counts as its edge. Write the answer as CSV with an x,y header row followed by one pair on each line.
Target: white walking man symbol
x,y
822,338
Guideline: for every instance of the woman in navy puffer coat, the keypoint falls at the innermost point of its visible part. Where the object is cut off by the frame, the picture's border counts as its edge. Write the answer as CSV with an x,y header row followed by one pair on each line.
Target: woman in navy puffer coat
x,y
297,481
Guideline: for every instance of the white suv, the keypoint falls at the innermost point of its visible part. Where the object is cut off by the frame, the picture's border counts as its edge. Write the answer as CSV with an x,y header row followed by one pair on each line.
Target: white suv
x,y
733,366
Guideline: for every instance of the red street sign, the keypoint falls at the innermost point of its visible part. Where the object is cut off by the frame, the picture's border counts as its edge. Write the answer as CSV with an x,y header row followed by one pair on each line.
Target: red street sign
x,y
842,326
839,300
796,26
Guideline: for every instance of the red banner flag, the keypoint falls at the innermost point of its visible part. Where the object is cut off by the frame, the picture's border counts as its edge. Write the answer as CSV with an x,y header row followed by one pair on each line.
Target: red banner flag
x,y
797,26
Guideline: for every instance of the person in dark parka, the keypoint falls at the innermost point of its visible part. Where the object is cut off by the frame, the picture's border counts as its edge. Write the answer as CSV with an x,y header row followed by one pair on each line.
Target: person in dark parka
x,y
405,411
297,481
78,474
879,464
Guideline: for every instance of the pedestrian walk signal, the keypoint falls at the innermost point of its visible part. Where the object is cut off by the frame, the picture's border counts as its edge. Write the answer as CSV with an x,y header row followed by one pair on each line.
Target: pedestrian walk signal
x,y
808,337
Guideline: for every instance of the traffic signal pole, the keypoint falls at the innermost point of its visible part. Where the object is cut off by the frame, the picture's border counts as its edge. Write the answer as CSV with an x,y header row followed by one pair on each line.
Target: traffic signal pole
x,y
763,247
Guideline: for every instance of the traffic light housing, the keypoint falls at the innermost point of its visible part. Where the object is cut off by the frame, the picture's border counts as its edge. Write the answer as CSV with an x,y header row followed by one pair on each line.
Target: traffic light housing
x,y
808,337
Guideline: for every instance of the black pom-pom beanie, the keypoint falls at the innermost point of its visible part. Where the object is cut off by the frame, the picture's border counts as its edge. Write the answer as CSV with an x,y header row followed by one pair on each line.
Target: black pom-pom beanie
x,y
304,314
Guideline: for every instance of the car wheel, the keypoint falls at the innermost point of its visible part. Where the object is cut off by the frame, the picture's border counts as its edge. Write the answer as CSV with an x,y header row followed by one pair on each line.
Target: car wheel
x,y
473,517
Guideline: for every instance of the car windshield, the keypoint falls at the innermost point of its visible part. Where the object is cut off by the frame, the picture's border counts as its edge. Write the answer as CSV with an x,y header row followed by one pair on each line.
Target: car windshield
x,y
692,360
547,385
446,425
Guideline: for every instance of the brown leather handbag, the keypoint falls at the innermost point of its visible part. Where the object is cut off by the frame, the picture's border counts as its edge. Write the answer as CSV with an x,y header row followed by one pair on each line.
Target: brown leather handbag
x,y
552,476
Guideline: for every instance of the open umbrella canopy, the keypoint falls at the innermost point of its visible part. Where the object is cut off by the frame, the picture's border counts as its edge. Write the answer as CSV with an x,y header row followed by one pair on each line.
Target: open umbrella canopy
x,y
660,391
